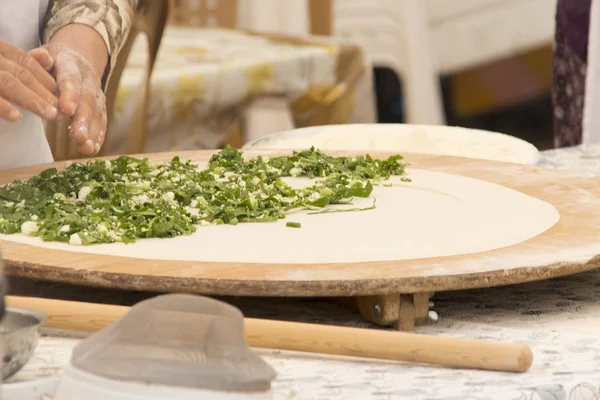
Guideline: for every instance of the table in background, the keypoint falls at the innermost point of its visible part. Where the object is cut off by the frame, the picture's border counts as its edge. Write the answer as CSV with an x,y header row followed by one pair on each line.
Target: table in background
x,y
204,79
559,318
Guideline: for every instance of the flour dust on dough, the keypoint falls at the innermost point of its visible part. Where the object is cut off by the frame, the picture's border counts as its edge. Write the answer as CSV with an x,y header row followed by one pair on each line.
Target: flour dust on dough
x,y
435,215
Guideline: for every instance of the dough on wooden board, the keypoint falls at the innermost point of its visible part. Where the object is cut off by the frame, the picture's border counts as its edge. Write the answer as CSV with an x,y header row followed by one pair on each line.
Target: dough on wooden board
x,y
444,140
435,215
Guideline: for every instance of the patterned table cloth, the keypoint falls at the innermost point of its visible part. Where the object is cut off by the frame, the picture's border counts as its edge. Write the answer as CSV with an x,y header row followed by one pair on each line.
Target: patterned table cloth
x,y
558,318
203,79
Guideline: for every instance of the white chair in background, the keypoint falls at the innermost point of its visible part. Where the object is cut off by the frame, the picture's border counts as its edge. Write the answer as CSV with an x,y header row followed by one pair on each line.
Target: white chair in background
x,y
421,40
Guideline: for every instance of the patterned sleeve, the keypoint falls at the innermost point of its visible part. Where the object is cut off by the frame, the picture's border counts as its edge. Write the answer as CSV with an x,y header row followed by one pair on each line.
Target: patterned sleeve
x,y
112,19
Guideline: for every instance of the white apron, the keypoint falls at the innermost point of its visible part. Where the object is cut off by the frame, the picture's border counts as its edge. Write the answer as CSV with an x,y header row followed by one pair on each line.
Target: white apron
x,y
23,143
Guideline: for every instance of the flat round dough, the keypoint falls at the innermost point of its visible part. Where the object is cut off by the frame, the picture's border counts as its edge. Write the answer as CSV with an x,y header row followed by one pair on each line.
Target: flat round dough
x,y
435,215
405,138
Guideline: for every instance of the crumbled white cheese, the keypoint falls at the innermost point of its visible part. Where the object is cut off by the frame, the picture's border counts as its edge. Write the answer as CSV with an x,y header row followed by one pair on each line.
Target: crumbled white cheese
x,y
141,199
296,172
255,180
34,218
155,172
169,196
65,229
101,228
29,228
204,223
192,211
107,164
84,192
75,240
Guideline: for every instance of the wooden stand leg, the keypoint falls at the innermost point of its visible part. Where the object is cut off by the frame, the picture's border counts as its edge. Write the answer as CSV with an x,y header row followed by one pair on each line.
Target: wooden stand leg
x,y
401,311
381,310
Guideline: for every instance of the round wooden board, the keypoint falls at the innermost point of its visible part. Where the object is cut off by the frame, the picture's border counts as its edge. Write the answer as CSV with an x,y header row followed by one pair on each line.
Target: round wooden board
x,y
568,247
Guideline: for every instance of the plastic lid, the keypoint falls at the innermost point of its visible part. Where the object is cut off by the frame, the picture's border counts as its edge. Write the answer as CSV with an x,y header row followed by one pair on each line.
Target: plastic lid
x,y
177,340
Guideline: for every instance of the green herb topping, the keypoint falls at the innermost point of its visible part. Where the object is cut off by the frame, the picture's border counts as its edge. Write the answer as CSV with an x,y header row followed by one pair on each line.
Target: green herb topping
x,y
128,198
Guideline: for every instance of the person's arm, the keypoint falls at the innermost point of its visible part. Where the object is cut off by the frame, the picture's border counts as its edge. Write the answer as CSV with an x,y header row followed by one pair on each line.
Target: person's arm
x,y
110,19
84,37
86,42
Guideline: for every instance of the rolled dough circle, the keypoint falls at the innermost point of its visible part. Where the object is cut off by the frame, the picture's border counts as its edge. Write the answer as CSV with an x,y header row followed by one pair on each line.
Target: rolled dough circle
x,y
435,215
404,138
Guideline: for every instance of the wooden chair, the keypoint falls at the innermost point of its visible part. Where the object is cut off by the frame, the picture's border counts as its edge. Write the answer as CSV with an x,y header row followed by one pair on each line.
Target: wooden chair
x,y
320,13
224,13
150,19
204,13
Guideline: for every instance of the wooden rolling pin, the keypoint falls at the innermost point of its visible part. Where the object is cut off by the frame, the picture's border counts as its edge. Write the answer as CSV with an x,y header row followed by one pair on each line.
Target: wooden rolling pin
x,y
312,338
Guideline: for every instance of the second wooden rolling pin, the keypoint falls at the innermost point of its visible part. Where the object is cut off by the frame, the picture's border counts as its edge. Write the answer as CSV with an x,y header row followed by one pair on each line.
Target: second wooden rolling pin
x,y
312,338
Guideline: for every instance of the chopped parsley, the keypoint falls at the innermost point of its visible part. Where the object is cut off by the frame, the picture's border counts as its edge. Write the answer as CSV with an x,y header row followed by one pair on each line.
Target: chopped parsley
x,y
127,198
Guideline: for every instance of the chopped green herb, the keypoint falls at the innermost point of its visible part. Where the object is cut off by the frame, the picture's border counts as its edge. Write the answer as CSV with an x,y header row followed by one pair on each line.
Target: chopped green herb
x,y
293,225
127,199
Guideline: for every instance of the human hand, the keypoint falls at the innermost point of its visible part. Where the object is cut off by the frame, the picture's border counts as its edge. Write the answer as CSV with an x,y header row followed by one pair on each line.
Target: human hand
x,y
25,83
80,93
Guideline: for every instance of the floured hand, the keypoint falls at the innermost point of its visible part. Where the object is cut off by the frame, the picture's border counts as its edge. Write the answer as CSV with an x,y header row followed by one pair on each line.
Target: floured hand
x,y
25,83
80,94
